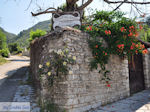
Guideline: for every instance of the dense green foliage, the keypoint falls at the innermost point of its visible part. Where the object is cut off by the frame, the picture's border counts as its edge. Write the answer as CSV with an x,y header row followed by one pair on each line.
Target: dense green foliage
x,y
2,60
145,33
3,45
22,37
14,48
4,52
118,32
36,34
9,36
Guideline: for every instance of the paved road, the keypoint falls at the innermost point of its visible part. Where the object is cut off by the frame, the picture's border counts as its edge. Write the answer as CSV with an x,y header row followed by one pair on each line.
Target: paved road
x,y
15,88
139,102
11,75
9,87
15,63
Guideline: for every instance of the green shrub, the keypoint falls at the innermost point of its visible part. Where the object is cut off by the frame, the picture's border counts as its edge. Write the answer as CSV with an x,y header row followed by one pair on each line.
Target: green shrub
x,y
14,48
4,53
120,34
145,33
36,34
2,60
3,43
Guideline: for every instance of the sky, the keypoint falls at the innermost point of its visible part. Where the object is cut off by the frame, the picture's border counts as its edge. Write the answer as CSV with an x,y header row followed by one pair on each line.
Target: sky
x,y
15,15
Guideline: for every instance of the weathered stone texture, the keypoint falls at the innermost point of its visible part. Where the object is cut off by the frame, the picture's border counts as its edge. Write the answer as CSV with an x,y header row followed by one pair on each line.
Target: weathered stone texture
x,y
146,67
84,89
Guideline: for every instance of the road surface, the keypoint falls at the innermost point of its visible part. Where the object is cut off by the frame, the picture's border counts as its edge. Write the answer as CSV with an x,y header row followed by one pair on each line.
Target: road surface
x,y
10,68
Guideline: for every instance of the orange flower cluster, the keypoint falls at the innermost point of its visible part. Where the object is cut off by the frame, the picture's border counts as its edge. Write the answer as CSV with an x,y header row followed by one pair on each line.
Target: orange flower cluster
x,y
108,85
145,51
136,34
131,27
130,34
133,32
122,29
139,47
96,46
120,46
107,32
132,46
141,27
105,53
89,28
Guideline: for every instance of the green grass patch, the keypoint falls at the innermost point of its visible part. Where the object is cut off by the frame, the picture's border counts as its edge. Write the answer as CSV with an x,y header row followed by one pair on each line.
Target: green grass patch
x,y
2,61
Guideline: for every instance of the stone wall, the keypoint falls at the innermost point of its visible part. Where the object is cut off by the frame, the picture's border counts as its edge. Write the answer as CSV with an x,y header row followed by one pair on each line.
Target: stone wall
x,y
146,67
83,89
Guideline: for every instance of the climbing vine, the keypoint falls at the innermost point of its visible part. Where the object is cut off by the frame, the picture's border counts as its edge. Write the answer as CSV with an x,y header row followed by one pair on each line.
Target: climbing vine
x,y
57,65
118,32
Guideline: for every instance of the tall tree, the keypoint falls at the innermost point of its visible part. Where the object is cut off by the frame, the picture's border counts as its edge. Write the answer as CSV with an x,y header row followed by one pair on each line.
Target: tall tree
x,y
3,44
71,5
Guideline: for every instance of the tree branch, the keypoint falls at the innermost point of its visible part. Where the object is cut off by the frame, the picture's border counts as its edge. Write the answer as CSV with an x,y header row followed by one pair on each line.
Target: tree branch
x,y
75,1
129,2
119,5
50,8
45,12
70,1
84,5
29,4
138,10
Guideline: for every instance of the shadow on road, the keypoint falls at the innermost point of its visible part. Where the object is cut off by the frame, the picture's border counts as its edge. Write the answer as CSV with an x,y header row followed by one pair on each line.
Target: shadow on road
x,y
139,102
20,60
9,86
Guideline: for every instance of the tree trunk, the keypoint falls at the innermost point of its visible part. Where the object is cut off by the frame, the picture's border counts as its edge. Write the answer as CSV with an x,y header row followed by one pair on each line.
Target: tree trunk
x,y
71,5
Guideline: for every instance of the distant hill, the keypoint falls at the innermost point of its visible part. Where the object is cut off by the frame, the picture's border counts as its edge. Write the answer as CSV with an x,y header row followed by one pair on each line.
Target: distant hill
x,y
9,36
22,37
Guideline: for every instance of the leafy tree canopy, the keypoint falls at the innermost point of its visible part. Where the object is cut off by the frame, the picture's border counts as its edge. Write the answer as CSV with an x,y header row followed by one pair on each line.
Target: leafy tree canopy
x,y
36,34
3,43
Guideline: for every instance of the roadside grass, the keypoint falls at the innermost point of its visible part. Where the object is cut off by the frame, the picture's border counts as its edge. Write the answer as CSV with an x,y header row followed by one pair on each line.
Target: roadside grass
x,y
3,60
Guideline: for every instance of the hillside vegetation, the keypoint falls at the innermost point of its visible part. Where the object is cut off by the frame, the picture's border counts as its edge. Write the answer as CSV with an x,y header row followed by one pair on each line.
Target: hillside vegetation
x,y
9,36
2,60
23,36
3,45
